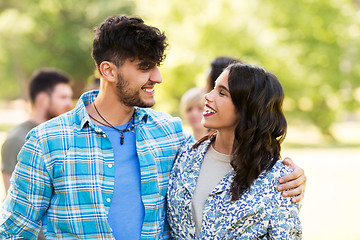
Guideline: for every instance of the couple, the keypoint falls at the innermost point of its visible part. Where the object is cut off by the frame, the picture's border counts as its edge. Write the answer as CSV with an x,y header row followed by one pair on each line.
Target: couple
x,y
101,171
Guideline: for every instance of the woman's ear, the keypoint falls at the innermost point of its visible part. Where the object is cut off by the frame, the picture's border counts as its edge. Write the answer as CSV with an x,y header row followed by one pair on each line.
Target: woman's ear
x,y
108,71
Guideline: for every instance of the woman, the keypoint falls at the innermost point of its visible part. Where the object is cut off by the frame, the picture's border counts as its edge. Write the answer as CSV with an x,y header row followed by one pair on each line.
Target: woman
x,y
224,187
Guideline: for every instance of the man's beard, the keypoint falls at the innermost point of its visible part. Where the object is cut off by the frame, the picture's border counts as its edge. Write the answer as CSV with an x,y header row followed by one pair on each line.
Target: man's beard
x,y
127,96
51,112
50,115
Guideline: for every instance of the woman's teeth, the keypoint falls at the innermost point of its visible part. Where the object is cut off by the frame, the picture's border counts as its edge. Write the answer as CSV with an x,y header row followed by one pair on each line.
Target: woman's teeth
x,y
209,110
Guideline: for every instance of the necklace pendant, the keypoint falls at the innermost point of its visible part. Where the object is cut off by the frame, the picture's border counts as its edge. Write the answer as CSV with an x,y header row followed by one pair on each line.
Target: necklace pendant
x,y
121,139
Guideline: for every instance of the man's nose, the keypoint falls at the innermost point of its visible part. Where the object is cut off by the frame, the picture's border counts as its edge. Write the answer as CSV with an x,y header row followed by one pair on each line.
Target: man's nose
x,y
155,75
70,103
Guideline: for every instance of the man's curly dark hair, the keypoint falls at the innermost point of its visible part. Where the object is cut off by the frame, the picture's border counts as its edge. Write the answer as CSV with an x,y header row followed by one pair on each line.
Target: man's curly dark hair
x,y
120,38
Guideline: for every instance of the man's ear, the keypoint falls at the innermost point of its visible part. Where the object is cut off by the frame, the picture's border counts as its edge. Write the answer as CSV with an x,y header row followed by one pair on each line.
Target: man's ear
x,y
42,100
108,71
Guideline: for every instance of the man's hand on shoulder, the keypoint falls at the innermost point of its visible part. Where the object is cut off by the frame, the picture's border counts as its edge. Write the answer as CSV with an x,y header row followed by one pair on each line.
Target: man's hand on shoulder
x,y
293,184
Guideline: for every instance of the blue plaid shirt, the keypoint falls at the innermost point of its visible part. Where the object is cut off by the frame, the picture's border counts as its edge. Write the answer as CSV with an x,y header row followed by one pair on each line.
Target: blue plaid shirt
x,y
65,176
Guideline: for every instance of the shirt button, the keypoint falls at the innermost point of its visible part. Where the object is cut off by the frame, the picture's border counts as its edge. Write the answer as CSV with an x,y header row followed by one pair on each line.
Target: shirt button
x,y
108,199
110,165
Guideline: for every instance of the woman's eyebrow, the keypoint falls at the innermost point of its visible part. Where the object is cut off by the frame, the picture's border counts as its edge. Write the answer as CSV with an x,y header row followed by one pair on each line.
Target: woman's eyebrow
x,y
223,87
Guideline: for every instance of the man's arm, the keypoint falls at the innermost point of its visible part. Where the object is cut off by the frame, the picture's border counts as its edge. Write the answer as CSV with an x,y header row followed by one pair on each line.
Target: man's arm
x,y
31,191
293,184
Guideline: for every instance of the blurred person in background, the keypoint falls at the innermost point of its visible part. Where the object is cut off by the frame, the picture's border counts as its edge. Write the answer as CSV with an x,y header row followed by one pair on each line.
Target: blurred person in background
x,y
216,68
224,186
50,95
192,107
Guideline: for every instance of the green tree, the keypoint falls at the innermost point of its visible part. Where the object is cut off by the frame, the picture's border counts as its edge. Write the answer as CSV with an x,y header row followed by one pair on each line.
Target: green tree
x,y
49,33
311,46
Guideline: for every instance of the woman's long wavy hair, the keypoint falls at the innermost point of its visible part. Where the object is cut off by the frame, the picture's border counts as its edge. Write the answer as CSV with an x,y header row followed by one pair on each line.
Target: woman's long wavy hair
x,y
258,96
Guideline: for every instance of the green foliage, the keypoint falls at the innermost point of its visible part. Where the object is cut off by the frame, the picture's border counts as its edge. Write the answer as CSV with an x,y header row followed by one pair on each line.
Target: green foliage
x,y
310,45
49,33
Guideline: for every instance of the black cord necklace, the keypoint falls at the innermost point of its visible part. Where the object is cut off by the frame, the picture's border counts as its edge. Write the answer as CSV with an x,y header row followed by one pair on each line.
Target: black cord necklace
x,y
128,127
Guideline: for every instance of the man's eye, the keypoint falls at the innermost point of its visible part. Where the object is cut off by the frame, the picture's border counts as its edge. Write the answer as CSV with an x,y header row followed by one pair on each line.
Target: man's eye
x,y
144,68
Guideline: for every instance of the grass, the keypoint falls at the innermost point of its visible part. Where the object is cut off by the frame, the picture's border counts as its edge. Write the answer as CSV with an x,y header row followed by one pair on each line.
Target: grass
x,y
5,127
325,145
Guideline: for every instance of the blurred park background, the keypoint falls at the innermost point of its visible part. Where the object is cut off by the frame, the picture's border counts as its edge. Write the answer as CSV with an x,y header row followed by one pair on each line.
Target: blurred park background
x,y
312,46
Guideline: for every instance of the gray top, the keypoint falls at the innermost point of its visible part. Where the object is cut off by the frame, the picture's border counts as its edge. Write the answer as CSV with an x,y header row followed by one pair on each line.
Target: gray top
x,y
13,143
214,167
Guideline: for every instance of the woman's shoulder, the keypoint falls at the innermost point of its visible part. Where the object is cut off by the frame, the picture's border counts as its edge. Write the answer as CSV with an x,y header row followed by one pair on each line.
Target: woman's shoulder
x,y
280,169
270,179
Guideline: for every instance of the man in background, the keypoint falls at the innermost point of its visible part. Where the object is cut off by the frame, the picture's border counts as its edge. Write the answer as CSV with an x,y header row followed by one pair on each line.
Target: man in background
x,y
50,95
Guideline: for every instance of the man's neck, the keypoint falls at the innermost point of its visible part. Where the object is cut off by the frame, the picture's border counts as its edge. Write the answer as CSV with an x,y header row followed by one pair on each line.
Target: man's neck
x,y
38,117
110,109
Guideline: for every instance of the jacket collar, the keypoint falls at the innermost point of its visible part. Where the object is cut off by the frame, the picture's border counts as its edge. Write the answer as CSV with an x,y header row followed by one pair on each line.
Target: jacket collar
x,y
192,170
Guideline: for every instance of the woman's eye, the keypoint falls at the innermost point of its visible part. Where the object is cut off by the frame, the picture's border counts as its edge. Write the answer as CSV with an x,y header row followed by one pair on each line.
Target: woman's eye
x,y
221,92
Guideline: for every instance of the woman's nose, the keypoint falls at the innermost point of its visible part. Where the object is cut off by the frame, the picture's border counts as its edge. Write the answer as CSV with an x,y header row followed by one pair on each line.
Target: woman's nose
x,y
208,96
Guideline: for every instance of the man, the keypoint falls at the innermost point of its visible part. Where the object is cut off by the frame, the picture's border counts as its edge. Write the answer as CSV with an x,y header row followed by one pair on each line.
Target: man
x,y
50,95
101,170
